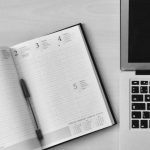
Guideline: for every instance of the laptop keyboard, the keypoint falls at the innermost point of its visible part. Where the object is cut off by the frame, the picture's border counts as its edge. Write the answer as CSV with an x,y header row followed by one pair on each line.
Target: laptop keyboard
x,y
140,104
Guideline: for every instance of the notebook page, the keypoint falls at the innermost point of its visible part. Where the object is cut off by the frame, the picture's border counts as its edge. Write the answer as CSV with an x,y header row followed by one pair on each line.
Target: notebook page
x,y
63,85
16,130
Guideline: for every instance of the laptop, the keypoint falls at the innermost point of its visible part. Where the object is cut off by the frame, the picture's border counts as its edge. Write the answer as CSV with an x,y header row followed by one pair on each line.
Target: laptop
x,y
135,75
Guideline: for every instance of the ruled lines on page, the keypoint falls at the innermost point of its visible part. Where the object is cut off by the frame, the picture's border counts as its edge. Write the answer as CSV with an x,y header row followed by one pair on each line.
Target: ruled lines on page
x,y
15,124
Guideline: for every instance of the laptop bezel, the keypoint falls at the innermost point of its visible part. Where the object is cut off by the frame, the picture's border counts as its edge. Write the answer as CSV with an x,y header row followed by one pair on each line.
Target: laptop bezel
x,y
124,21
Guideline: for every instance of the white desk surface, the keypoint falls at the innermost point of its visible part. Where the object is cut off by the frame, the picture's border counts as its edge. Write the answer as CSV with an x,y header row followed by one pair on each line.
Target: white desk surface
x,y
22,20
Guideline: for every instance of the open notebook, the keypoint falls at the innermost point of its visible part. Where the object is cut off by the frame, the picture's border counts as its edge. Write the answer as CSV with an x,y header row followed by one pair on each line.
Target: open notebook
x,y
65,90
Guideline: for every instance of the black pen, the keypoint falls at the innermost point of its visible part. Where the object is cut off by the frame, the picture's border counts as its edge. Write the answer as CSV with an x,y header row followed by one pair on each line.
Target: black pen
x,y
32,112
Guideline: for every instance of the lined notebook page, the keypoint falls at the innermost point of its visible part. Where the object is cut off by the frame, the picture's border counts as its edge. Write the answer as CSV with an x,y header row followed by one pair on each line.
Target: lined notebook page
x,y
15,124
63,85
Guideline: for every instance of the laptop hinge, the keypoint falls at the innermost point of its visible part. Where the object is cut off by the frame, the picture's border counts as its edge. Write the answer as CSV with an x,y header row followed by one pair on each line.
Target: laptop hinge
x,y
142,72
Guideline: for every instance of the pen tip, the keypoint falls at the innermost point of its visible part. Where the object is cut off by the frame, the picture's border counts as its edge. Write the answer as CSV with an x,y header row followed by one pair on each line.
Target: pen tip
x,y
39,134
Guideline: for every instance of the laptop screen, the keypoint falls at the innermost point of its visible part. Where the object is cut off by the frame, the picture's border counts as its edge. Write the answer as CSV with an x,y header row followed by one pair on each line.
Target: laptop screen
x,y
139,31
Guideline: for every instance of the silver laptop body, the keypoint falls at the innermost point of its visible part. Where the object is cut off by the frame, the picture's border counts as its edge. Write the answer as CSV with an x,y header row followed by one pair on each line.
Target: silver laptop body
x,y
135,75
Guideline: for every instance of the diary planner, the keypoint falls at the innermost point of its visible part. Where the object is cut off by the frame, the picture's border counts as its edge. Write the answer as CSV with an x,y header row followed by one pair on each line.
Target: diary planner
x,y
65,89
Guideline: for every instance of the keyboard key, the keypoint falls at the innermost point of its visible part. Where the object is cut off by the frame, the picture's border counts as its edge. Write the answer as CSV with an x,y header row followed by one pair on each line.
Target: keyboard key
x,y
135,123
148,106
147,98
144,82
135,82
143,89
137,98
136,114
144,123
135,89
146,114
138,106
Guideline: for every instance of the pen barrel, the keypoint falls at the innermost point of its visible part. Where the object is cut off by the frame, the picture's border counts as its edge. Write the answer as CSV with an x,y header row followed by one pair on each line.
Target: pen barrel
x,y
31,109
34,119
32,113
